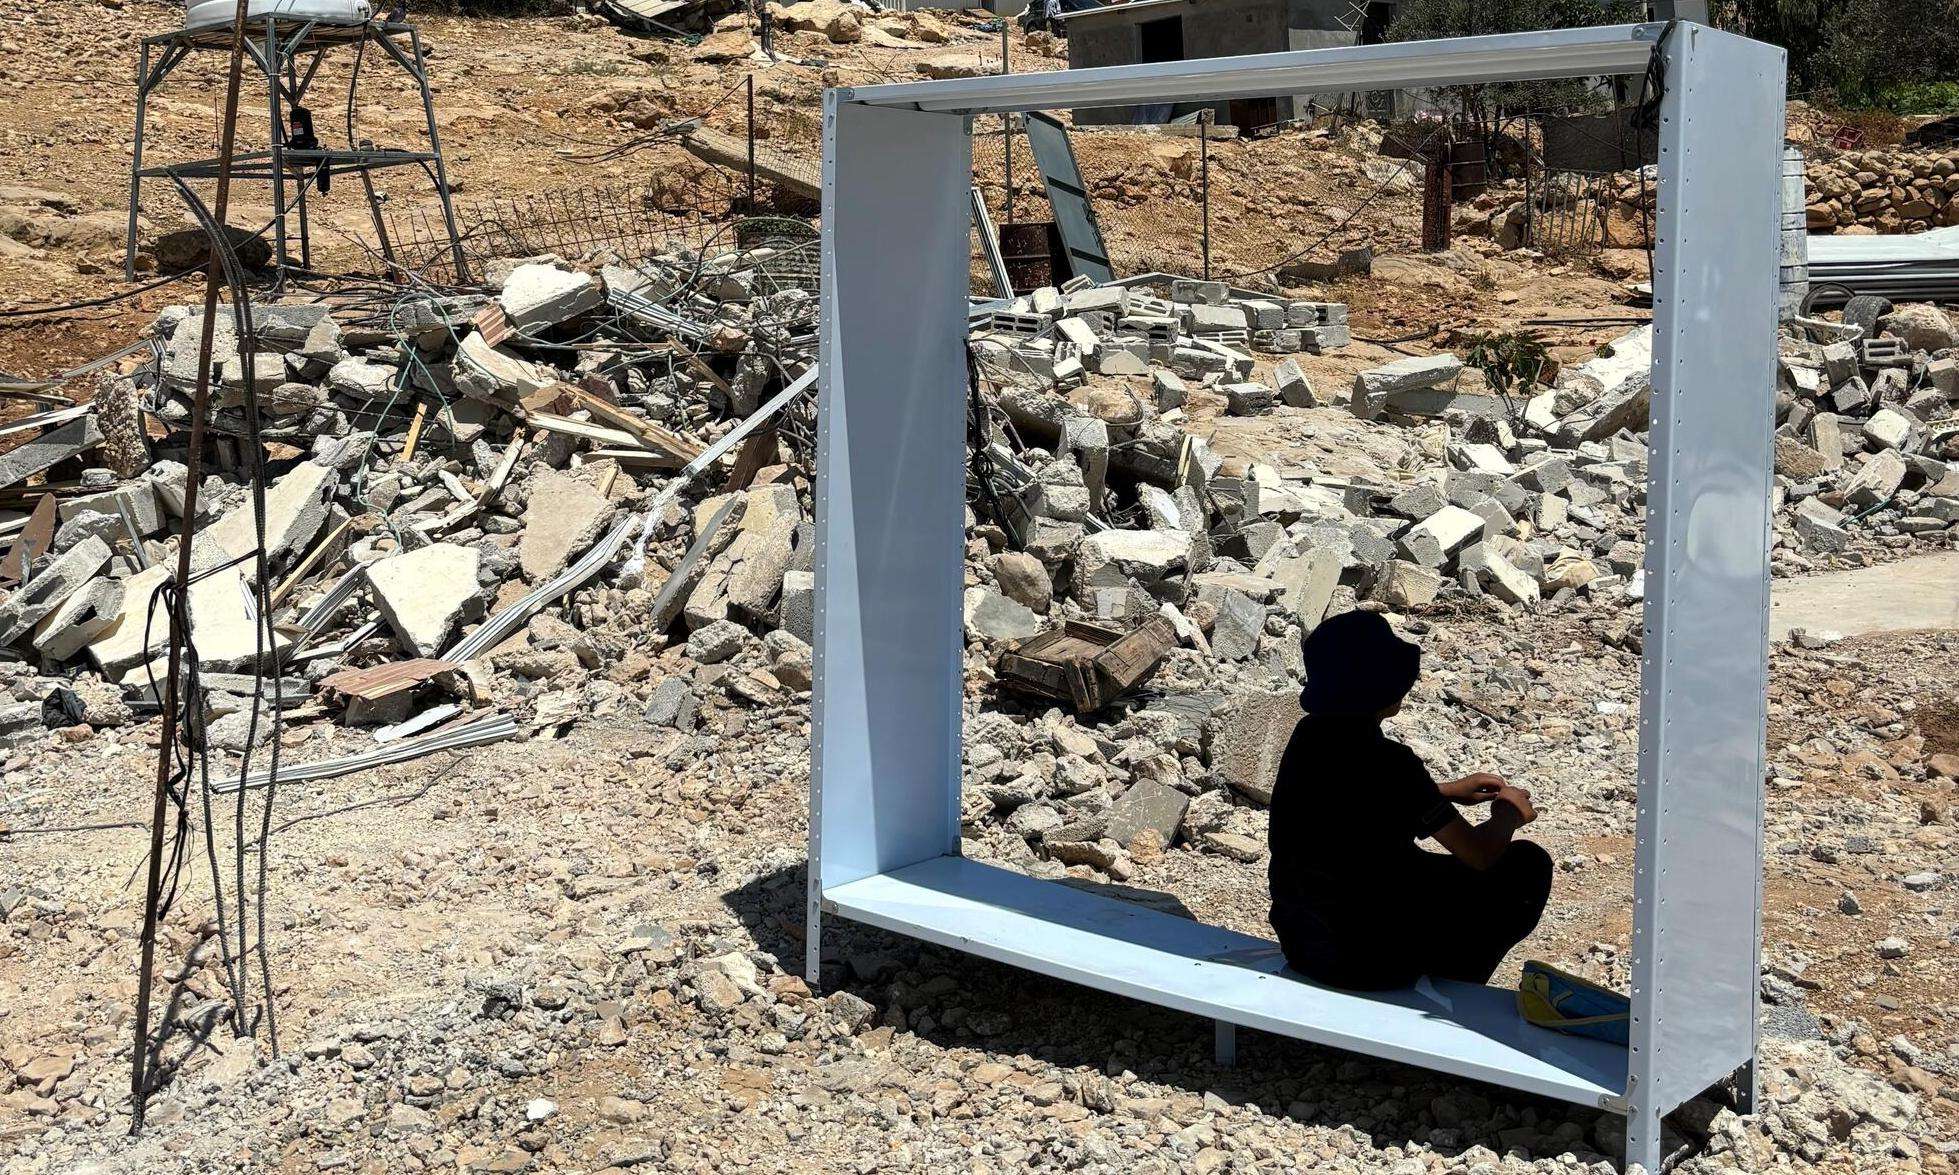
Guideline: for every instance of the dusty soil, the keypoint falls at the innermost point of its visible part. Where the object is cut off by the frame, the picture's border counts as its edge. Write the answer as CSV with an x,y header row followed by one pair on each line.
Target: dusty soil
x,y
453,938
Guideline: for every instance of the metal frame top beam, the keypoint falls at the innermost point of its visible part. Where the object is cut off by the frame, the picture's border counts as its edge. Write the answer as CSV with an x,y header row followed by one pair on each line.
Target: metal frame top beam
x,y
1519,57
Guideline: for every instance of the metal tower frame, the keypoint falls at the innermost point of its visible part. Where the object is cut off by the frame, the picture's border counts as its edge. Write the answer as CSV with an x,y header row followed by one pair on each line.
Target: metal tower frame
x,y
288,54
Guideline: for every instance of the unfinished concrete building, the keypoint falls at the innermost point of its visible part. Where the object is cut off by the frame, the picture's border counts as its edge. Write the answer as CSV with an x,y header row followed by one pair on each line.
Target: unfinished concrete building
x,y
1181,30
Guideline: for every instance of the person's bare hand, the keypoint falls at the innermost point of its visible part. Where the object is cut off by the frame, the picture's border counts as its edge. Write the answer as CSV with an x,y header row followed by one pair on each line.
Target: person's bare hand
x,y
1478,788
1517,801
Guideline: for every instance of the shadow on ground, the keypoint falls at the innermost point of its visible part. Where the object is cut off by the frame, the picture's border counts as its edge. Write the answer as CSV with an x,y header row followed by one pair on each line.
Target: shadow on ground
x,y
956,1000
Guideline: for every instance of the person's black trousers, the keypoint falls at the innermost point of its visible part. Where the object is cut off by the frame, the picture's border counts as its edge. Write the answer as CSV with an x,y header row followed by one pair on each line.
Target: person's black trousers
x,y
1461,926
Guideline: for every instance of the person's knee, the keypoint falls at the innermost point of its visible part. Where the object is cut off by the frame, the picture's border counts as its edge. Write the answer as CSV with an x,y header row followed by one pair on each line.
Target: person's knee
x,y
1531,867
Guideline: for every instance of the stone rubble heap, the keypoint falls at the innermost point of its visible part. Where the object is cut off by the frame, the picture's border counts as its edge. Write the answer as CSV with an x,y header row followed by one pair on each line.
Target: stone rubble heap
x,y
428,468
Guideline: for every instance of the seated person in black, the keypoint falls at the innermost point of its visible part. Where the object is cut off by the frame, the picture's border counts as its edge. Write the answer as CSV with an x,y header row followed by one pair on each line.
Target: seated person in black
x,y
1356,902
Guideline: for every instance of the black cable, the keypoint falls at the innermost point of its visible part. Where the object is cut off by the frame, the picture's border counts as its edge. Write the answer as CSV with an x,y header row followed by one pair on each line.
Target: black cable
x,y
92,303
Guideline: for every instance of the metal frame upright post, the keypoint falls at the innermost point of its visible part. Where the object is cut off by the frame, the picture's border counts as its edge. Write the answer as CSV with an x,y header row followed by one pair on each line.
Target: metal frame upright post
x,y
136,161
1204,183
420,73
270,65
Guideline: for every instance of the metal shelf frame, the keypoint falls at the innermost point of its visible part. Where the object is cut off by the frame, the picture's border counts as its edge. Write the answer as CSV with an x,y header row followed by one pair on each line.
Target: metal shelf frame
x,y
884,844
288,54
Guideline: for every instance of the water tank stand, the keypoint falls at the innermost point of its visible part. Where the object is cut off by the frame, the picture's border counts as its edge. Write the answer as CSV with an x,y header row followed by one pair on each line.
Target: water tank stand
x,y
288,54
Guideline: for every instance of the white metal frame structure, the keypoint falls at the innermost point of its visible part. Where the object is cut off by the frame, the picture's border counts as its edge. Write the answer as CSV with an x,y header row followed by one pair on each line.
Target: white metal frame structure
x,y
884,798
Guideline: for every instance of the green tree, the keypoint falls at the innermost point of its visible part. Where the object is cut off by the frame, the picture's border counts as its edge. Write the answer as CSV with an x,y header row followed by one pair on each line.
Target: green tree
x,y
1428,20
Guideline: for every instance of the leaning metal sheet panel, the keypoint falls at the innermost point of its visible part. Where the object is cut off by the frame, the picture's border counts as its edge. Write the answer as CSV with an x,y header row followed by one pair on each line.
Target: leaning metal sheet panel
x,y
890,491
1068,193
1704,673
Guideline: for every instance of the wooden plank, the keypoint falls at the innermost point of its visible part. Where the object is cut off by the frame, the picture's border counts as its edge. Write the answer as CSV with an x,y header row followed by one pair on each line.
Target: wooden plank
x,y
307,565
585,430
415,430
650,434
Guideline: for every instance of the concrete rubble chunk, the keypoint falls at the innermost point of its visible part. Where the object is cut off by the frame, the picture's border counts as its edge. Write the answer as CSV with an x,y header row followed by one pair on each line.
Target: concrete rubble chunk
x,y
1307,583
541,295
1239,624
716,642
81,618
992,617
1499,576
1295,390
1246,751
1877,482
494,373
1433,540
358,379
425,594
296,506
1024,579
1247,399
796,611
1889,428
1372,387
1146,806
46,591
1402,584
1798,461
49,449
1146,555
564,515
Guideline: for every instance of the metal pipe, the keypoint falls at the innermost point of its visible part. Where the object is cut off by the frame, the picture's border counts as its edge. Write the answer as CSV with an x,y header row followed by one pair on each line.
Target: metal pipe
x,y
136,162
1204,182
180,607
751,143
1007,137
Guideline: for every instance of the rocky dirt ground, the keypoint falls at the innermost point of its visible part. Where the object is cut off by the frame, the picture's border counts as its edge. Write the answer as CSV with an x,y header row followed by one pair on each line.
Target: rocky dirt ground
x,y
580,951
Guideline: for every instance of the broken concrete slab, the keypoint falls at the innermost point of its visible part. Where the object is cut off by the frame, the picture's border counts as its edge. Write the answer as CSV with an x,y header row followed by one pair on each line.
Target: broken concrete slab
x,y
1246,750
1372,387
49,449
1499,576
765,557
296,506
1877,482
494,373
358,379
80,619
1145,555
541,295
46,591
991,616
425,594
1240,622
1433,540
1148,806
1402,584
564,514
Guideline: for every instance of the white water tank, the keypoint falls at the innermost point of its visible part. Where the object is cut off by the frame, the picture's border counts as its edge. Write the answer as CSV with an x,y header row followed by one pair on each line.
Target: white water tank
x,y
204,14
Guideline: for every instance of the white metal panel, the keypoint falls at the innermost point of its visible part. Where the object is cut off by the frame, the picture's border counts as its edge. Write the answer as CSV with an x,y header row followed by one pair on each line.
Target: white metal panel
x,y
201,14
1605,50
890,491
1117,946
1704,672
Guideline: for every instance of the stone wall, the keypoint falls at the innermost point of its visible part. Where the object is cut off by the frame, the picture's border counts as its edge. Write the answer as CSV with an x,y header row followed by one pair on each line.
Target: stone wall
x,y
1883,190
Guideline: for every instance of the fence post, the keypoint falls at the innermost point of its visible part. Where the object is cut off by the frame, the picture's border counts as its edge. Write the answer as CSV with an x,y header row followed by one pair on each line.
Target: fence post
x,y
751,144
1437,199
1007,128
1204,183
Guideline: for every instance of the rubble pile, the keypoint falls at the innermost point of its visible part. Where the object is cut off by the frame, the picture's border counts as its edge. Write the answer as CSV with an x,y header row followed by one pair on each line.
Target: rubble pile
x,y
1867,433
445,479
